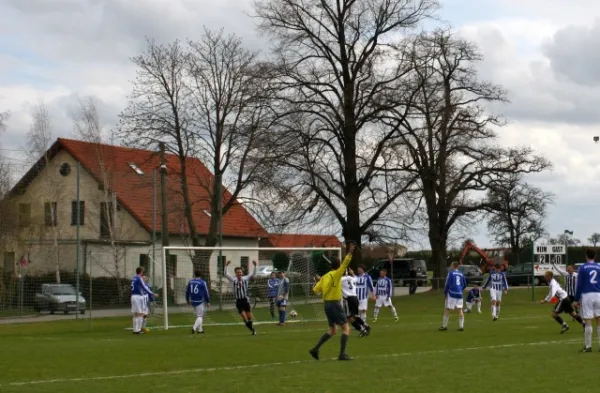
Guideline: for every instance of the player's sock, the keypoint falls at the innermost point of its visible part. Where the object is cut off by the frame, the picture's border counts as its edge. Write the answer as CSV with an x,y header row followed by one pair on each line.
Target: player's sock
x,y
394,313
357,325
598,331
198,324
494,311
589,331
324,338
497,311
272,309
469,306
140,322
343,344
249,325
445,321
559,320
144,322
479,307
461,322
281,316
363,315
135,330
376,312
361,322
578,319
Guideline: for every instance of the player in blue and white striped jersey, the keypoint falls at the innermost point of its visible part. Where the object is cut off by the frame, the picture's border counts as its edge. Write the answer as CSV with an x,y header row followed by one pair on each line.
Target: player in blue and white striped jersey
x,y
196,295
498,285
364,287
453,291
383,290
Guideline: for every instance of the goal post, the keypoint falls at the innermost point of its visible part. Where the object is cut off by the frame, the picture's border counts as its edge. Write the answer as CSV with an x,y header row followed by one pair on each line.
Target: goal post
x,y
300,264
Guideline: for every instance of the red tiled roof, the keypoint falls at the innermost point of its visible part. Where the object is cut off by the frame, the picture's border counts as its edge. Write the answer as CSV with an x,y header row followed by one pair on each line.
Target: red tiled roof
x,y
298,240
135,191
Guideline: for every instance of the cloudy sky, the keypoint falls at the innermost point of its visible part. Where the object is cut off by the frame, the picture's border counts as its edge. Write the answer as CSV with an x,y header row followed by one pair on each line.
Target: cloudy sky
x,y
545,53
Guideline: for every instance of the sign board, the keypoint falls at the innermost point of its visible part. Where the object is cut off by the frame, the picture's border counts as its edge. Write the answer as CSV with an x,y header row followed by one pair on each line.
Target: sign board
x,y
549,249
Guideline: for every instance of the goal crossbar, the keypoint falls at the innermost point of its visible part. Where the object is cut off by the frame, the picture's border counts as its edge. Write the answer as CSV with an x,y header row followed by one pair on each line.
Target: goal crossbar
x,y
217,249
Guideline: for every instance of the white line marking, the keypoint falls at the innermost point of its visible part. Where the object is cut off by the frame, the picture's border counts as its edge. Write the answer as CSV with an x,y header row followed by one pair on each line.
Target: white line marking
x,y
256,365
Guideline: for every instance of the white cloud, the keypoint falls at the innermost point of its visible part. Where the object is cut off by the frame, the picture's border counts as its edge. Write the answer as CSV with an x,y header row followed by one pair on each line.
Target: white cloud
x,y
57,51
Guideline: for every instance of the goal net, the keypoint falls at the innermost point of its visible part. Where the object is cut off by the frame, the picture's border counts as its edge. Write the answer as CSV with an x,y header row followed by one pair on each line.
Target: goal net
x,y
300,265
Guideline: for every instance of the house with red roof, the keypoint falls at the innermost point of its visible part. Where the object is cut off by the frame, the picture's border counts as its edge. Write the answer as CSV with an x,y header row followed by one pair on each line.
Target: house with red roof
x,y
108,197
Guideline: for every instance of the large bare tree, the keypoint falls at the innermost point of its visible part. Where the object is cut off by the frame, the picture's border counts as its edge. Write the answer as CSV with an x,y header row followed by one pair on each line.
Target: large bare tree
x,y
339,71
207,100
451,135
517,213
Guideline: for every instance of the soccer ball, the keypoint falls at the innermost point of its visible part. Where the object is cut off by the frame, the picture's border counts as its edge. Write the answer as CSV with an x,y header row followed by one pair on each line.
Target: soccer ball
x,y
293,314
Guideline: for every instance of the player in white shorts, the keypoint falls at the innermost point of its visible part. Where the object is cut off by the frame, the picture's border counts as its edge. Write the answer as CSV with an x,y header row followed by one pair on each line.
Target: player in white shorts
x,y
138,301
453,291
588,293
498,285
383,289
364,287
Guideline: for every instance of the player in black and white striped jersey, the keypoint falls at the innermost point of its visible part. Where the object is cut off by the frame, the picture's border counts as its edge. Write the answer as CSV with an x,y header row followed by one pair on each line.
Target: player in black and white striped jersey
x,y
564,303
570,280
351,303
240,289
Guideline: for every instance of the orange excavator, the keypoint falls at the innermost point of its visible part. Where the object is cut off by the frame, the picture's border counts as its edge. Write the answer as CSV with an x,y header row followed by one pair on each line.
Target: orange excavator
x,y
486,262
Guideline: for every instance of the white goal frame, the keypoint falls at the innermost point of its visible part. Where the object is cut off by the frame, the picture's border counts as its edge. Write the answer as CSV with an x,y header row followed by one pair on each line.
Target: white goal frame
x,y
217,249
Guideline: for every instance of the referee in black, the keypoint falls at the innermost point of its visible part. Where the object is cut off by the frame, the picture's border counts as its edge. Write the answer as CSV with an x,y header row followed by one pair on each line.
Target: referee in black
x,y
240,288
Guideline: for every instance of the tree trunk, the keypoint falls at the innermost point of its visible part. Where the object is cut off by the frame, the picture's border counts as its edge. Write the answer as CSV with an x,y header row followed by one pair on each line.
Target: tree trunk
x,y
438,241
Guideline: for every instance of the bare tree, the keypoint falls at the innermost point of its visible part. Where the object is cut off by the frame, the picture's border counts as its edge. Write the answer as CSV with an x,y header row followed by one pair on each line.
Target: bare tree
x,y
594,239
339,72
206,101
450,135
518,211
566,239
110,223
38,141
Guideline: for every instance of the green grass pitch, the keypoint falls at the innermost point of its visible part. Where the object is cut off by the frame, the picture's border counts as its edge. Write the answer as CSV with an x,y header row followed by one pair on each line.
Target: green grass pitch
x,y
521,352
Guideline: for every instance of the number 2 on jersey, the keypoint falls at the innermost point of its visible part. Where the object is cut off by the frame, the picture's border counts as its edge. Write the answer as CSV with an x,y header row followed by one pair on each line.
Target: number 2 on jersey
x,y
594,277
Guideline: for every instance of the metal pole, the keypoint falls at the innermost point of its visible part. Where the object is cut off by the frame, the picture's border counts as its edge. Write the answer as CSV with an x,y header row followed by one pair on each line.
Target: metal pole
x,y
78,241
532,271
164,232
153,268
220,200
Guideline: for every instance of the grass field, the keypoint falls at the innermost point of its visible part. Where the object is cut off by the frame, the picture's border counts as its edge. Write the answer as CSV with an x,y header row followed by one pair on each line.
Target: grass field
x,y
522,352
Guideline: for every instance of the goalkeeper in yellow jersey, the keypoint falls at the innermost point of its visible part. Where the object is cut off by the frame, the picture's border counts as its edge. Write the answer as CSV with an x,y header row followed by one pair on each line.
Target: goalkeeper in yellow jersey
x,y
330,287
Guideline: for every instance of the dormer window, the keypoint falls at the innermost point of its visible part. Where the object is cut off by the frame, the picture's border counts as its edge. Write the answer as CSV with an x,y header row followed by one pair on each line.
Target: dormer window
x,y
136,168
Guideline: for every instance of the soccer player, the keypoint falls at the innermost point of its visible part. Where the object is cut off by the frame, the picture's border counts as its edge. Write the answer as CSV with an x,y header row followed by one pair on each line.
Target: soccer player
x,y
383,289
283,291
138,301
242,301
147,300
364,286
563,305
330,286
570,276
272,286
455,285
474,296
351,303
588,293
498,285
197,296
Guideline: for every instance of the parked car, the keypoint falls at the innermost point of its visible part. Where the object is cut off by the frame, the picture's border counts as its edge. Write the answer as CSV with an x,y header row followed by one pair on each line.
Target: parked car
x,y
399,271
264,271
59,297
472,273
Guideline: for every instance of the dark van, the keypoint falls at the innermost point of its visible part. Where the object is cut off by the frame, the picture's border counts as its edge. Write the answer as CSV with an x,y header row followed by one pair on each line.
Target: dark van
x,y
399,271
